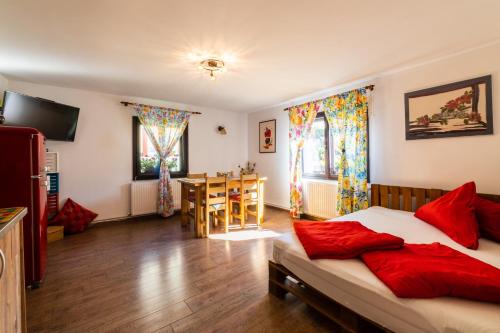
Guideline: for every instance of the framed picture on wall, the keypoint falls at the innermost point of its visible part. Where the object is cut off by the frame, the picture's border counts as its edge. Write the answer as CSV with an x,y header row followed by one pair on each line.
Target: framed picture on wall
x,y
267,136
456,109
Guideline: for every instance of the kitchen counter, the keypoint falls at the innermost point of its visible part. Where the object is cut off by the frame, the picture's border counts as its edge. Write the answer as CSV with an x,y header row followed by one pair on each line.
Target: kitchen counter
x,y
9,217
12,290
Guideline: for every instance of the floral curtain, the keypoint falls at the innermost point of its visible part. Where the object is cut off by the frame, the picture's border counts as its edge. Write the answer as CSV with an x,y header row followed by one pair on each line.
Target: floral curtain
x,y
347,116
301,120
164,128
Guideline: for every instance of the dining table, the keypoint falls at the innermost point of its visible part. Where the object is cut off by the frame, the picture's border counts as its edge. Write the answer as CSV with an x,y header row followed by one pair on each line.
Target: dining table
x,y
197,185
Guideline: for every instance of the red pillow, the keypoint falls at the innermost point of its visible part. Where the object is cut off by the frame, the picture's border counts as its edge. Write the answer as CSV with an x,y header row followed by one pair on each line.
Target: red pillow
x,y
453,214
74,217
488,218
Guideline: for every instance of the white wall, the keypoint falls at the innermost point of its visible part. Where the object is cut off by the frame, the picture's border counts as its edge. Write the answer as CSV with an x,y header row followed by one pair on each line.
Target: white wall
x,y
272,165
440,163
96,169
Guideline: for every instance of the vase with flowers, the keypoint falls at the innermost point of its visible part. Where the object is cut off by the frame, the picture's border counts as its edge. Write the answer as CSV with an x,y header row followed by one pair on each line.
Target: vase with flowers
x,y
247,169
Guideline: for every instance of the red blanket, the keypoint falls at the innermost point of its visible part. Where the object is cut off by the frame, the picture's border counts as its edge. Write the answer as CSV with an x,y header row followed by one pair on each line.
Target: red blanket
x,y
433,270
341,240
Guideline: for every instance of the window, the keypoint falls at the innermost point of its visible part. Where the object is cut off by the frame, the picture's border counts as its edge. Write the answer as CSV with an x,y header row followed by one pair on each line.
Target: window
x,y
318,156
146,164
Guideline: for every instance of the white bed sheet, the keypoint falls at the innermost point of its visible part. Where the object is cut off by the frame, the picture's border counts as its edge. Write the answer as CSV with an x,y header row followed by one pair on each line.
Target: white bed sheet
x,y
352,284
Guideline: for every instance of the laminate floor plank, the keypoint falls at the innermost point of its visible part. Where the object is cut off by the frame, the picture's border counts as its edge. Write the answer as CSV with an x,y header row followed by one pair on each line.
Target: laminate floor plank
x,y
150,275
151,322
166,329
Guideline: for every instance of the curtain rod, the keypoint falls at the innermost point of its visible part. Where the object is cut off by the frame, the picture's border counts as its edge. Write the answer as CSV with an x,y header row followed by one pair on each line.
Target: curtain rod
x,y
152,106
370,87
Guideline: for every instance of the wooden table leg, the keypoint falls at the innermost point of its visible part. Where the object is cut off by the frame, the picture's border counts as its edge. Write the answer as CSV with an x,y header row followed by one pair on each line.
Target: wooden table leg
x,y
198,209
260,218
243,213
184,205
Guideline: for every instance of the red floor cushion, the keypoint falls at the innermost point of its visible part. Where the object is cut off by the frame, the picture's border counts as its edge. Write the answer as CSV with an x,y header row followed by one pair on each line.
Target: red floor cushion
x,y
488,218
453,214
74,217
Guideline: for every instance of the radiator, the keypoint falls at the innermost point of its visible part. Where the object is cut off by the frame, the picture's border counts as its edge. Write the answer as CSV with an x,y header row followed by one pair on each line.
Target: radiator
x,y
144,196
320,198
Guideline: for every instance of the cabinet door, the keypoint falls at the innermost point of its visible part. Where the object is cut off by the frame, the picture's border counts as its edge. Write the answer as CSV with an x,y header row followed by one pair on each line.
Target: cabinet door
x,y
11,282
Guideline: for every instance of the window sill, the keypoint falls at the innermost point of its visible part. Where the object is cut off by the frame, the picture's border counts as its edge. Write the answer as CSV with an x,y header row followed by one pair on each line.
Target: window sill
x,y
320,180
144,177
139,178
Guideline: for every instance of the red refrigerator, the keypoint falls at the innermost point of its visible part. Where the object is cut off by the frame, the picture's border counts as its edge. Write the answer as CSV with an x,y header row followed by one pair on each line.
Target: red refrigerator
x,y
23,184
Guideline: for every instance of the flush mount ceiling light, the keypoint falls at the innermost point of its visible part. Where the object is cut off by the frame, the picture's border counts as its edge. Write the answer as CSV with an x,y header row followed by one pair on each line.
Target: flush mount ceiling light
x,y
213,65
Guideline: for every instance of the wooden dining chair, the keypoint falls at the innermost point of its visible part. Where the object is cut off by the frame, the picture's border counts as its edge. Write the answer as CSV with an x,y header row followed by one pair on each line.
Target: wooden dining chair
x,y
215,202
191,197
191,194
247,197
230,175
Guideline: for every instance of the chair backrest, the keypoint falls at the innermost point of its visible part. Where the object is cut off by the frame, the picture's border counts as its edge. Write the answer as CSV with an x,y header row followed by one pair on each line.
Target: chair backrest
x,y
216,190
196,175
249,187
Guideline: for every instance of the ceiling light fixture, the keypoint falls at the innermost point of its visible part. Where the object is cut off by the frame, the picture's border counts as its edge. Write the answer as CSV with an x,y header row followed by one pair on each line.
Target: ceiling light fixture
x,y
213,65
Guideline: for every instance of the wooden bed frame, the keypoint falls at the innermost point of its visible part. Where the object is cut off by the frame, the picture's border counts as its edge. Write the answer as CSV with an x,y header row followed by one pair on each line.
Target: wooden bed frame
x,y
283,281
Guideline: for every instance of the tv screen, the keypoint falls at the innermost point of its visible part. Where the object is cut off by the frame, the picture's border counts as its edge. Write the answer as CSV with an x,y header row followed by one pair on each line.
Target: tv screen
x,y
56,121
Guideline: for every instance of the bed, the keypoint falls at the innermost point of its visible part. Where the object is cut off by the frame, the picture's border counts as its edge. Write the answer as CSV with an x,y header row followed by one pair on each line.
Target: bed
x,y
352,296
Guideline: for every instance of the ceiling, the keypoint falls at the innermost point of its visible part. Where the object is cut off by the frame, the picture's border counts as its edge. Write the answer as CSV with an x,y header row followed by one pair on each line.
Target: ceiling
x,y
281,49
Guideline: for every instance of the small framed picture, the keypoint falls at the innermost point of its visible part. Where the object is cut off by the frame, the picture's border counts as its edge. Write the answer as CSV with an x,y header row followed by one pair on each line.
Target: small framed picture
x,y
455,109
267,136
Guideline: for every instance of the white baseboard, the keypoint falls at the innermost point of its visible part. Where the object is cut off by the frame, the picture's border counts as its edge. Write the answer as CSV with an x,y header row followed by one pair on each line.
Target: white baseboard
x,y
276,206
122,218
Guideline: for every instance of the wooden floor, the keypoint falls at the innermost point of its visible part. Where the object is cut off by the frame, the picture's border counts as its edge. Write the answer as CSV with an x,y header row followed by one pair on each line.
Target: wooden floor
x,y
150,275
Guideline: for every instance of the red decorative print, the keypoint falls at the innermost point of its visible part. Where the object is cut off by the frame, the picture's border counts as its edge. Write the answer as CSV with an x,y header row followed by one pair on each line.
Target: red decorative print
x,y
268,141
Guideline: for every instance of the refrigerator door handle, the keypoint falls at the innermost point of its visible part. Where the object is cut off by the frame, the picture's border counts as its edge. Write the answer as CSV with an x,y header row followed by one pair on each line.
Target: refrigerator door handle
x,y
2,256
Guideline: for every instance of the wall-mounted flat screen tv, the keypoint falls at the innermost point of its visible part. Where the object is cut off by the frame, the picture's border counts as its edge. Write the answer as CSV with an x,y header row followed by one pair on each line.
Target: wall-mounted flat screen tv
x,y
56,121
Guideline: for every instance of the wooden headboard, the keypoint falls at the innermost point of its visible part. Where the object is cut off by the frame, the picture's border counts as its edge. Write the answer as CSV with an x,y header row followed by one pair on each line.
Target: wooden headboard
x,y
409,198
